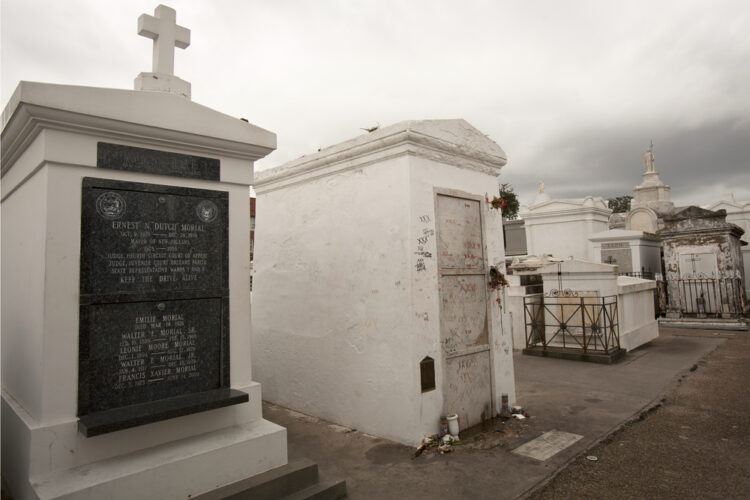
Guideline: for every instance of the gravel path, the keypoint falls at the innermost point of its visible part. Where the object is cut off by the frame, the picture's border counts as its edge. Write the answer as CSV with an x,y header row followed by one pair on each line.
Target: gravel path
x,y
696,444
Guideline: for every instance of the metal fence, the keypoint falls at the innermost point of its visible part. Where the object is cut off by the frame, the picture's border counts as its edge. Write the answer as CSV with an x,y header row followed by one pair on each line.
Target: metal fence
x,y
581,324
646,275
707,297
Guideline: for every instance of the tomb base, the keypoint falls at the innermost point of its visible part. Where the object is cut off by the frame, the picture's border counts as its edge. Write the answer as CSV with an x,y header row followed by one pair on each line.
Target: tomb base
x,y
56,462
576,354
157,82
638,336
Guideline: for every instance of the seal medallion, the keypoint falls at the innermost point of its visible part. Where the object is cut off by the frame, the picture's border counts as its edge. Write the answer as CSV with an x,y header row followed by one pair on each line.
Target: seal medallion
x,y
110,205
207,211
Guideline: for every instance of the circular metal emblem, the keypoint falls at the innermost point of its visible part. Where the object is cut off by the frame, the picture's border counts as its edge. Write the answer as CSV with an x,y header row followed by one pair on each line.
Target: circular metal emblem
x,y
207,211
110,205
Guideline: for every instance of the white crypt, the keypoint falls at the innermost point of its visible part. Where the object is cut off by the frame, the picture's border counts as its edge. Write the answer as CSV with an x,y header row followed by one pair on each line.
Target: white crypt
x,y
194,440
371,307
561,227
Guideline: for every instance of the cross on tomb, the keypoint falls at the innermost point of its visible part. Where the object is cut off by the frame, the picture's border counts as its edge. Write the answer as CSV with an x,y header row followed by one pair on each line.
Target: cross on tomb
x,y
610,260
693,259
162,28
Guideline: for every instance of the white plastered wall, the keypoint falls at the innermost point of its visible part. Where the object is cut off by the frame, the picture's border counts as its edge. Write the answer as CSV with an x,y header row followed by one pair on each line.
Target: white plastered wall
x,y
330,298
341,315
562,236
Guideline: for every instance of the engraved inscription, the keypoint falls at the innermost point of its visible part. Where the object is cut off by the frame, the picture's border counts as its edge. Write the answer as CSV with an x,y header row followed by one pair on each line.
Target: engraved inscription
x,y
157,347
162,242
133,159
142,352
154,303
156,252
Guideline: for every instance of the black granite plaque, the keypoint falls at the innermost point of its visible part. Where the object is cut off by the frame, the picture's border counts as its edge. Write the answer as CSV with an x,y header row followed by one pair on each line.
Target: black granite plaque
x,y
142,240
154,295
145,351
152,161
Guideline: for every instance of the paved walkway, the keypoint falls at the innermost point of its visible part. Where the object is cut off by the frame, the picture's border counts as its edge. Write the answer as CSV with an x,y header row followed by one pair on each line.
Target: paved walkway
x,y
696,444
587,399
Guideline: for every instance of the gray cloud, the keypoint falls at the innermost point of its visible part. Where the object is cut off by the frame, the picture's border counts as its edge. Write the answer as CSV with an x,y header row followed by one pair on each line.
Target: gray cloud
x,y
573,91
699,164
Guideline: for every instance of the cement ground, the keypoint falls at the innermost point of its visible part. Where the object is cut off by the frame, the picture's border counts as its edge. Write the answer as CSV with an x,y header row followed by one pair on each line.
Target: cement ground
x,y
705,430
695,444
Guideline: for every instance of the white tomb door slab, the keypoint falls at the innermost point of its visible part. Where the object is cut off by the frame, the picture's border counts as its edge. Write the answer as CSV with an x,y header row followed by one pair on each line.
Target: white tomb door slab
x,y
464,321
698,265
698,286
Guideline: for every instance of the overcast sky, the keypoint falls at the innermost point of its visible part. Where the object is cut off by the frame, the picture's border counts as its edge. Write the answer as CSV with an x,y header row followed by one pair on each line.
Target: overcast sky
x,y
573,91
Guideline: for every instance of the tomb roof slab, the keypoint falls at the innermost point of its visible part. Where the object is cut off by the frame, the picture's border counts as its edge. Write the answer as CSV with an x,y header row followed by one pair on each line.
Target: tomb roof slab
x,y
155,118
622,234
454,142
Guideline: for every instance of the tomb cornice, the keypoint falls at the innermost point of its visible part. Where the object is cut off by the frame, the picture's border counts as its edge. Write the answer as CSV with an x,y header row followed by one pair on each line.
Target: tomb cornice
x,y
579,213
623,234
153,118
681,231
391,142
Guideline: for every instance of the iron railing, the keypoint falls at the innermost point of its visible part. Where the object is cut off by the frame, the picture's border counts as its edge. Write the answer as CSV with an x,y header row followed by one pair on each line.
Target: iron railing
x,y
582,324
708,297
646,275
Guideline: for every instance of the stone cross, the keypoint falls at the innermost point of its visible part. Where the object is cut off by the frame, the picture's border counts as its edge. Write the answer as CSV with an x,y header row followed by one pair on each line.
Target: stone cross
x,y
693,259
162,28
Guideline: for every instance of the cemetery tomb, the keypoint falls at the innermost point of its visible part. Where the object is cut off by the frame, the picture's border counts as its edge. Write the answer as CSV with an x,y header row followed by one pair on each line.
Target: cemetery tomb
x,y
125,276
371,307
703,264
635,253
561,227
589,305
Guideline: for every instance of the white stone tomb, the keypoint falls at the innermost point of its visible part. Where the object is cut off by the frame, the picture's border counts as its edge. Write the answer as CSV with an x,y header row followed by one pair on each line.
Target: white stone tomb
x,y
634,252
371,264
50,138
561,227
635,297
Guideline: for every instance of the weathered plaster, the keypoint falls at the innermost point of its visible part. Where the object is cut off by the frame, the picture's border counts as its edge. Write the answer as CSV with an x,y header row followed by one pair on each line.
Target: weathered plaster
x,y
346,297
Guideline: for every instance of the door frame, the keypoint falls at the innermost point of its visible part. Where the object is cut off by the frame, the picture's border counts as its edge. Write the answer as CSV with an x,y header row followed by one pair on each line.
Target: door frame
x,y
456,193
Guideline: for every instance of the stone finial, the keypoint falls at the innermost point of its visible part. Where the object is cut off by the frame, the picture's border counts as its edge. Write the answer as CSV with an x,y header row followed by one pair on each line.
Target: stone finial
x,y
542,195
648,158
162,28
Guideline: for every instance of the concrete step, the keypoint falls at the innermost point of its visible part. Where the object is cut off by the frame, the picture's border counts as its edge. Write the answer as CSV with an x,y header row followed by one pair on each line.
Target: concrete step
x,y
184,467
327,490
277,483
737,324
576,354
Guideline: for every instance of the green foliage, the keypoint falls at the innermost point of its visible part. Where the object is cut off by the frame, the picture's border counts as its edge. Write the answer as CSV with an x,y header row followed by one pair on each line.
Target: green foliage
x,y
508,195
619,204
